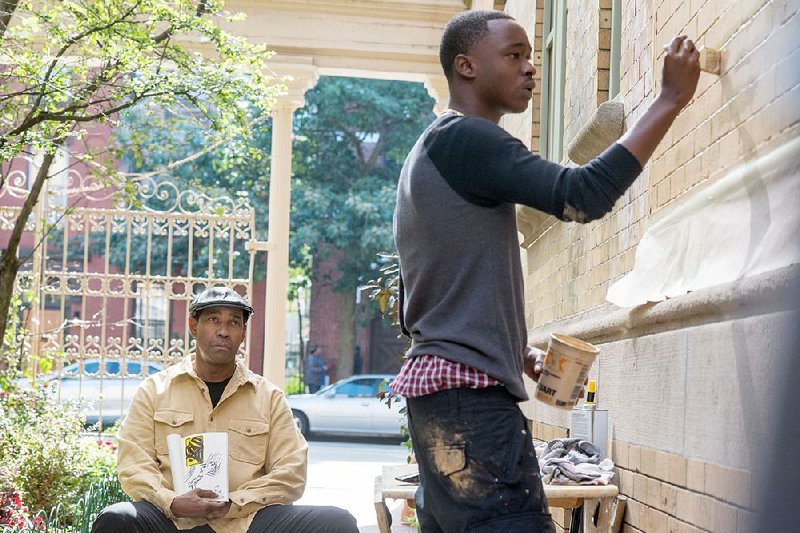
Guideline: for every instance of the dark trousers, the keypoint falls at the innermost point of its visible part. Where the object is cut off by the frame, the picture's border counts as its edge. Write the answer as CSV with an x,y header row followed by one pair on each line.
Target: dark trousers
x,y
144,517
478,468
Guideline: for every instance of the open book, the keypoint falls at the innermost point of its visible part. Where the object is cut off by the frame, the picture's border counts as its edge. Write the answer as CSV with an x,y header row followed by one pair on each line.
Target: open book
x,y
199,461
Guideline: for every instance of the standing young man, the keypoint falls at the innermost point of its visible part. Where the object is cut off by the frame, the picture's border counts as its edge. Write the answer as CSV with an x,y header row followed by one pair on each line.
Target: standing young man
x,y
462,286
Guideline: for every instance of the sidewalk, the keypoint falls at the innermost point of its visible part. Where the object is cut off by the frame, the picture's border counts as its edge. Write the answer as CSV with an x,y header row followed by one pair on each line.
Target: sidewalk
x,y
343,474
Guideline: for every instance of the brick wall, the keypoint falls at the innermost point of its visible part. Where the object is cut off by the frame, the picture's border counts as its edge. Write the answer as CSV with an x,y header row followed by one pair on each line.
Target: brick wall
x,y
686,415
670,492
753,104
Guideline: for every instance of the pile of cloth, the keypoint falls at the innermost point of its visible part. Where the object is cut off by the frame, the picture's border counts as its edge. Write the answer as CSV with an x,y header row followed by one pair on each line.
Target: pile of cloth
x,y
573,462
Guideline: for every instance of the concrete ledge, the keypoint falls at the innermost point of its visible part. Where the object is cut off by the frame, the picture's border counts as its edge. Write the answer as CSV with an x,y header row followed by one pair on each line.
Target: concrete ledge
x,y
768,293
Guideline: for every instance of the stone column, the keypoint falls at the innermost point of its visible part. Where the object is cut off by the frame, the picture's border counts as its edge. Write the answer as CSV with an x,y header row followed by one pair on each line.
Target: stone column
x,y
438,90
482,4
302,78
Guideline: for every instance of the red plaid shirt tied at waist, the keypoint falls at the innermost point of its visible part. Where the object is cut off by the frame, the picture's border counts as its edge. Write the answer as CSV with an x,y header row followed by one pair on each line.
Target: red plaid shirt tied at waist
x,y
426,374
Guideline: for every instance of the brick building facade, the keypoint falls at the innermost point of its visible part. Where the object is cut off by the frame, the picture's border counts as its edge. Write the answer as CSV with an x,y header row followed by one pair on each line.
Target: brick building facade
x,y
685,379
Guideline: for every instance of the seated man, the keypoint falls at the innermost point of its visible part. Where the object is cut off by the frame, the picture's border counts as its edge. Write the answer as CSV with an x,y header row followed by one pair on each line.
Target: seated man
x,y
213,391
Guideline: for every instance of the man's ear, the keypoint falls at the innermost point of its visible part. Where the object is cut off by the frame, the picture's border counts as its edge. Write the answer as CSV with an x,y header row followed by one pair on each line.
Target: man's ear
x,y
193,326
464,66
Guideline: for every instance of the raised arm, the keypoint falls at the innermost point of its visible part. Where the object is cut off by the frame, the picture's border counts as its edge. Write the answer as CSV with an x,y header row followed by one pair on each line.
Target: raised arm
x,y
679,81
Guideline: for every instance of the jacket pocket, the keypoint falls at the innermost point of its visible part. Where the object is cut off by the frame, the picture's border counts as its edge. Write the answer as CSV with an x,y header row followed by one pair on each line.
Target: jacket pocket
x,y
169,421
248,440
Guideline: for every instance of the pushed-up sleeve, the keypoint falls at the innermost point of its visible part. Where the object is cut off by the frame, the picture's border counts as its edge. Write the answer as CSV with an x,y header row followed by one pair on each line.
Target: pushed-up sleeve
x,y
285,465
486,166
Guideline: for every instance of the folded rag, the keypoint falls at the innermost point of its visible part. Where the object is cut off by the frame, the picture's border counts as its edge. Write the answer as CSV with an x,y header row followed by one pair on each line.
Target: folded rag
x,y
574,462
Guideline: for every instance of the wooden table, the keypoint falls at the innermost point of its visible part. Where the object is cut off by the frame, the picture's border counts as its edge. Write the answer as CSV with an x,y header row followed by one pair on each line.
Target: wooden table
x,y
600,500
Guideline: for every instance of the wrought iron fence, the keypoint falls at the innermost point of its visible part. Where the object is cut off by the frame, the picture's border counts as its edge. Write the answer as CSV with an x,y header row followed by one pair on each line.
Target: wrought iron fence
x,y
110,277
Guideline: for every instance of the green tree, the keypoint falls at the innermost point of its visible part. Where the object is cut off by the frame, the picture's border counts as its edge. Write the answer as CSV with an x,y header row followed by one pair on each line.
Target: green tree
x,y
352,138
68,64
195,160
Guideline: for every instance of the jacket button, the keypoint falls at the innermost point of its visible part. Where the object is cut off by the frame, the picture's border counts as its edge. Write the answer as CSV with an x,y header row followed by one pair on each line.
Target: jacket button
x,y
174,421
248,430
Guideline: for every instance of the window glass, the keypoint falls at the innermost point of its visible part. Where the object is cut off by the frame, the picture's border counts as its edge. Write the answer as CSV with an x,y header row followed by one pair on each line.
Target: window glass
x,y
616,51
367,387
554,64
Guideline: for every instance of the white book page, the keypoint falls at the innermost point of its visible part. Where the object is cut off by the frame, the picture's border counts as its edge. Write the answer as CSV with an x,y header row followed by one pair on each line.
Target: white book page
x,y
199,461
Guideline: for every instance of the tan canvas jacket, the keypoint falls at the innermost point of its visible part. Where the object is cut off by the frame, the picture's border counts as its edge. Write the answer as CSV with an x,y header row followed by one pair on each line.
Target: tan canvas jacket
x,y
267,455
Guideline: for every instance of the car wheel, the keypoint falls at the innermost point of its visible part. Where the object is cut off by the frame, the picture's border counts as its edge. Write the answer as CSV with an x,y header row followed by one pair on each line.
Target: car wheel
x,y
300,422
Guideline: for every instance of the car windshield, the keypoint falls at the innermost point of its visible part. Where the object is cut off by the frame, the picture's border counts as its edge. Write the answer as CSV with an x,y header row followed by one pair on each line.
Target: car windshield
x,y
91,369
359,387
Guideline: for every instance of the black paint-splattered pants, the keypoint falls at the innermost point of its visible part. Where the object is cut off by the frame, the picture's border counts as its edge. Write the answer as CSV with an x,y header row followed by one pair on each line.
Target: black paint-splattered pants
x,y
478,468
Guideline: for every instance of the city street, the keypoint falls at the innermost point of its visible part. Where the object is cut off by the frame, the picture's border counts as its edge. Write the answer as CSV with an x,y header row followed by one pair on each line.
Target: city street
x,y
342,473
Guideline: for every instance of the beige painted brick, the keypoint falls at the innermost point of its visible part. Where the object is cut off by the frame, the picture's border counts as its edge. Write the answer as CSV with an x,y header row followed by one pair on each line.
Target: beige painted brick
x,y
706,16
653,493
661,462
625,481
732,485
784,9
703,512
603,59
634,513
715,479
669,498
701,137
677,470
740,490
640,488
731,20
730,149
686,505
724,517
681,15
634,453
695,475
693,172
723,121
745,520
679,526
657,522
648,460
710,160
630,529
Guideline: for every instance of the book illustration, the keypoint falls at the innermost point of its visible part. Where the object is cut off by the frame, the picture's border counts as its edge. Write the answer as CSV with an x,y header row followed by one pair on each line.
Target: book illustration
x,y
199,461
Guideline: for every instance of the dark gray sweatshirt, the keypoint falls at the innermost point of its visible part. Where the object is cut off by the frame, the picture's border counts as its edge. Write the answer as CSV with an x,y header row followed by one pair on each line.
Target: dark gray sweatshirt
x,y
456,233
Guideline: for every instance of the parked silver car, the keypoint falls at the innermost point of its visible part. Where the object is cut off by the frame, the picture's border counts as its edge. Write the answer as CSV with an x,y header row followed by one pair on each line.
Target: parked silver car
x,y
101,388
349,407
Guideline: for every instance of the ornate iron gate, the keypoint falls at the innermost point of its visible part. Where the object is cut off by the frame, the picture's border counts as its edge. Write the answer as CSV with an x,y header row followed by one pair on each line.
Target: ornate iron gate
x,y
111,279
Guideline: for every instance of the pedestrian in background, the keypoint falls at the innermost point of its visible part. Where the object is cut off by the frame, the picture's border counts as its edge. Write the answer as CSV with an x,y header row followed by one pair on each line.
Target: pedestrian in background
x,y
358,362
315,371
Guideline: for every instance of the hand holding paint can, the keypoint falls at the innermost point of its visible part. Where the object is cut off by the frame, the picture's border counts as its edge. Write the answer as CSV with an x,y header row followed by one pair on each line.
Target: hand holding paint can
x,y
566,367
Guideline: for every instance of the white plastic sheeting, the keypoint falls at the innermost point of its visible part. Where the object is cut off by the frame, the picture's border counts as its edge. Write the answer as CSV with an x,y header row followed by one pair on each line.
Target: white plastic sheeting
x,y
746,223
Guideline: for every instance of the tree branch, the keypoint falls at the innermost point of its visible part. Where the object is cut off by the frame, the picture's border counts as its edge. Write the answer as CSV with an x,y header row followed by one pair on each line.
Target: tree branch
x,y
9,264
202,7
7,8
